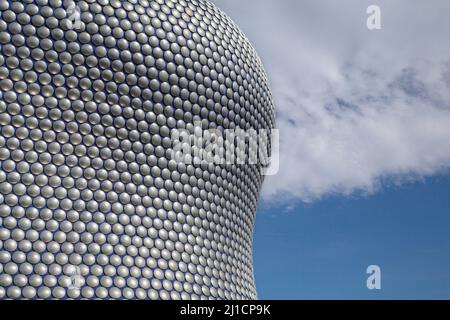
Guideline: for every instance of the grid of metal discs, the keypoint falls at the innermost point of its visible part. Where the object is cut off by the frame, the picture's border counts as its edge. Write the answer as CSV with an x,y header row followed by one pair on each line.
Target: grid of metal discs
x,y
90,204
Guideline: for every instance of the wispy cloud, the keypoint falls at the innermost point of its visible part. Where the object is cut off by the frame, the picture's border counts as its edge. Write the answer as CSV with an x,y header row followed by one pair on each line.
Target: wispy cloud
x,y
354,107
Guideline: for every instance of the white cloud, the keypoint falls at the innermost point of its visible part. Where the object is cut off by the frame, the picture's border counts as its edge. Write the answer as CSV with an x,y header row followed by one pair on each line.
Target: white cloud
x,y
355,107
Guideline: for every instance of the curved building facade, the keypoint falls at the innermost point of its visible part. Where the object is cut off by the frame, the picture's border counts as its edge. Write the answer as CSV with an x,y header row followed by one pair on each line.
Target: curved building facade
x,y
91,203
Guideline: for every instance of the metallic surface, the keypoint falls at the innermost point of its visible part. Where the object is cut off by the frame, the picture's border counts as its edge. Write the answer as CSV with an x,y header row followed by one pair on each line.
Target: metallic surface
x,y
90,204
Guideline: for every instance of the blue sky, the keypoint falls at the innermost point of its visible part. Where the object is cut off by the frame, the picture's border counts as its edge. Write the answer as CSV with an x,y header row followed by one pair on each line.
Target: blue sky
x,y
322,250
356,108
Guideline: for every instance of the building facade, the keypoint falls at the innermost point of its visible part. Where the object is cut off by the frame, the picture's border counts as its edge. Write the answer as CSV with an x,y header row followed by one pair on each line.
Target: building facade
x,y
91,203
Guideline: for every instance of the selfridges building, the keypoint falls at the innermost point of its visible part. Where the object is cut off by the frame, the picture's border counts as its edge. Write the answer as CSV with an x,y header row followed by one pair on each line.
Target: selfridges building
x,y
91,204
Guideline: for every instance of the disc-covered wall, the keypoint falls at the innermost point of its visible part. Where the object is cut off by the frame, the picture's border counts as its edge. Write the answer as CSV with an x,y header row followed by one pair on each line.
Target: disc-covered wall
x,y
91,206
